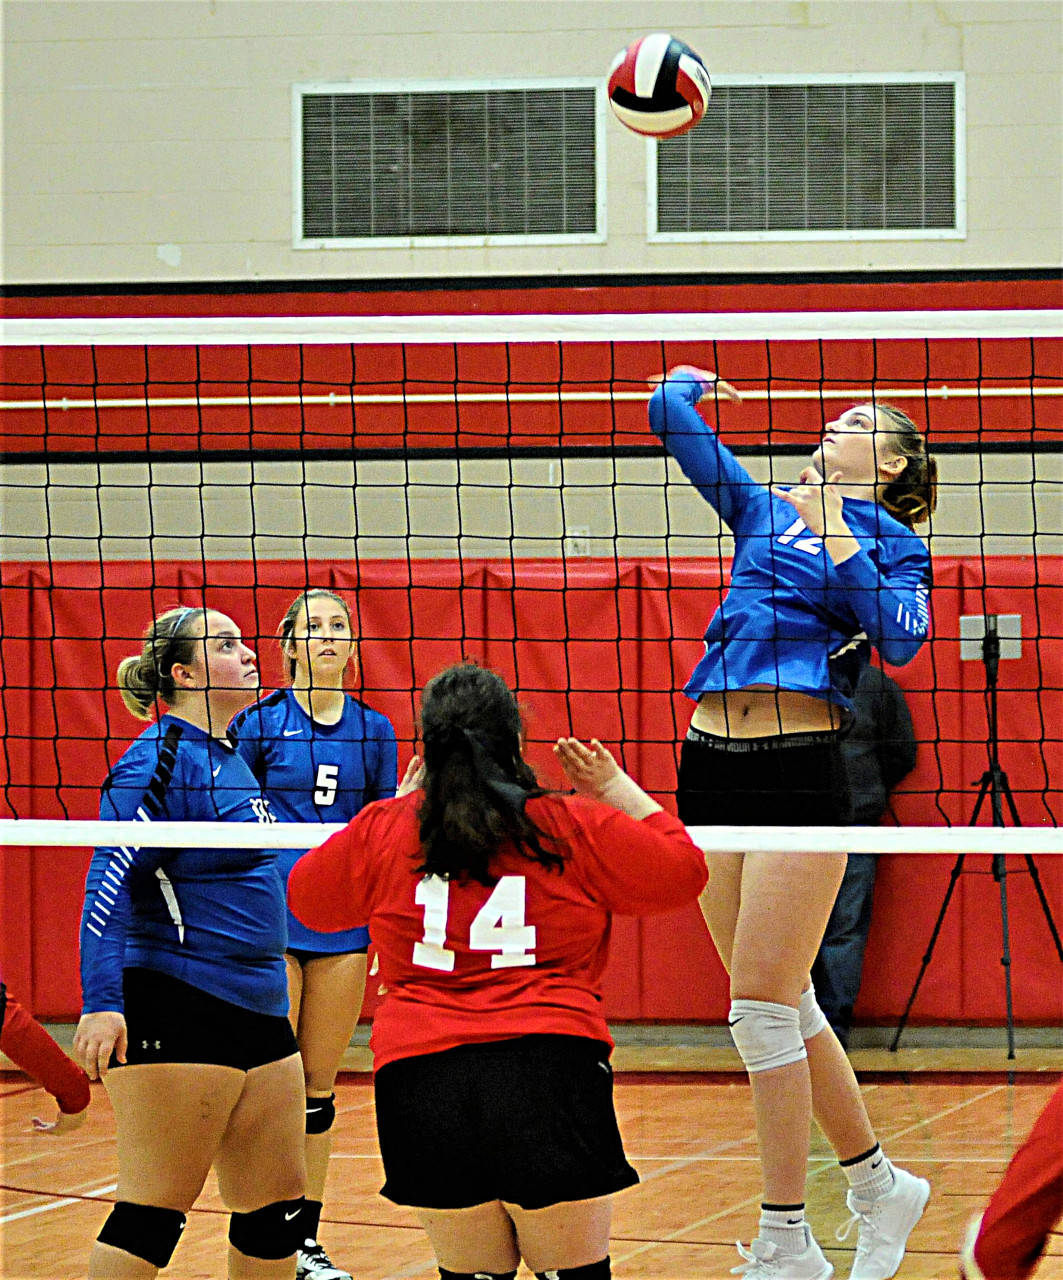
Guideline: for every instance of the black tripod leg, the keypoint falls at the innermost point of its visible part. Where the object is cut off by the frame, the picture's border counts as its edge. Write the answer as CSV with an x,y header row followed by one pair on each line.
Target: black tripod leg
x,y
956,869
1001,875
1035,876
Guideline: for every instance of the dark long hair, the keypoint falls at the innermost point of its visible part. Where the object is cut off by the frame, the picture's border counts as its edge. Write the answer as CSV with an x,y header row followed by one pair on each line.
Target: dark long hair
x,y
476,782
912,497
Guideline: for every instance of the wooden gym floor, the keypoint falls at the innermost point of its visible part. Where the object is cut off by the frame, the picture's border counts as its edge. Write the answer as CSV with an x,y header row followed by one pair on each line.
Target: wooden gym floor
x,y
952,1115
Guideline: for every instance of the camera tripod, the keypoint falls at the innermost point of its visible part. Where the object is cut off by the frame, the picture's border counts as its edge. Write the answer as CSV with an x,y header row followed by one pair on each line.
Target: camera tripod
x,y
993,786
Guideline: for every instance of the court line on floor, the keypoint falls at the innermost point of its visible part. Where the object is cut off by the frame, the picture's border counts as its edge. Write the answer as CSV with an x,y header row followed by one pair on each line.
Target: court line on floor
x,y
826,1163
58,1204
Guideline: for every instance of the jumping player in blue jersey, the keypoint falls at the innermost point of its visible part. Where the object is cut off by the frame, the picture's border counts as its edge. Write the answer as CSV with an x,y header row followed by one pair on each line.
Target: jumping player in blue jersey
x,y
822,571
183,978
320,755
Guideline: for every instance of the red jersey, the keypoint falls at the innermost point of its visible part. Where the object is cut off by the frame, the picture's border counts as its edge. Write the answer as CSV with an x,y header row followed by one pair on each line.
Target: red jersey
x,y
462,963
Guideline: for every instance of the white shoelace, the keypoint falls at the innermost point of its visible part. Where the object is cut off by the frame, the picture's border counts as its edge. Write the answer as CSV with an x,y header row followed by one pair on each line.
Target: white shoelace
x,y
752,1262
844,1232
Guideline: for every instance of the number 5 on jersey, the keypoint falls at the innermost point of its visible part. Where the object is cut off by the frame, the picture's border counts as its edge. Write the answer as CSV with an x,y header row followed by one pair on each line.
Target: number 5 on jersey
x,y
498,926
326,784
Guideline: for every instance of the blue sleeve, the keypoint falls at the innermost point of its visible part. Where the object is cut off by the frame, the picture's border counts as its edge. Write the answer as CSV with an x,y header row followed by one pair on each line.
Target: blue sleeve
x,y
709,465
246,736
386,761
891,604
106,911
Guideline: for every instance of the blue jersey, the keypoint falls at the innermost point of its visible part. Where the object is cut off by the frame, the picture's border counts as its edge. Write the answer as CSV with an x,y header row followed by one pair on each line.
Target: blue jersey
x,y
314,772
792,619
214,918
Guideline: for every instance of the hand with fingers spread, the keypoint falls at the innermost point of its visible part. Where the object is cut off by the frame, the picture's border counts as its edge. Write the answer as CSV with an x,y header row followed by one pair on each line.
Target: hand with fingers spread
x,y
705,378
594,772
817,501
98,1036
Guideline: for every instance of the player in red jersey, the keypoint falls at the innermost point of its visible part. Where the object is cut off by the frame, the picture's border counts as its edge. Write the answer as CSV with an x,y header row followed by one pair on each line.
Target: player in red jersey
x,y
32,1050
1007,1241
489,900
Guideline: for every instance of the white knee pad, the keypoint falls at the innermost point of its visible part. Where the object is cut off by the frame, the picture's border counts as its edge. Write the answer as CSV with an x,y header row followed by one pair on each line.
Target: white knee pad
x,y
811,1015
766,1035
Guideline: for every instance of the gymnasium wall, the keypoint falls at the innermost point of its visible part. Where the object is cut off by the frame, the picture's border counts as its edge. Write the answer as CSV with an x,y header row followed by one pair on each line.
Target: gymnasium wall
x,y
450,569
603,656
232,480
152,141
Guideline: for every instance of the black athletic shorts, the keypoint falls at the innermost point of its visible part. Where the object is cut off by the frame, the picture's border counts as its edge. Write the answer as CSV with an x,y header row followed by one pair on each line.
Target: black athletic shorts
x,y
529,1121
304,957
170,1021
795,779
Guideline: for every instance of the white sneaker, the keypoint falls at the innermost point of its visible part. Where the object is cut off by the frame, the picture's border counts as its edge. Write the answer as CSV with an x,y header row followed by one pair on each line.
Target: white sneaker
x,y
764,1261
884,1225
313,1263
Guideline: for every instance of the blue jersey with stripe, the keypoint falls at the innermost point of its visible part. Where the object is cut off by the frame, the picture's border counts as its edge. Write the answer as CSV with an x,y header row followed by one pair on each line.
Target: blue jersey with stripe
x,y
214,918
314,772
792,619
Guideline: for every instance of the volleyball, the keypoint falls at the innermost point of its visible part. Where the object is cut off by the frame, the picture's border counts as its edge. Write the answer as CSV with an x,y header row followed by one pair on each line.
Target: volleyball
x,y
658,86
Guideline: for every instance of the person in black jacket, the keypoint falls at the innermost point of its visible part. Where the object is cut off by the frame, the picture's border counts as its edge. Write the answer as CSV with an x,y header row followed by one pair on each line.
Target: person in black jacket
x,y
879,751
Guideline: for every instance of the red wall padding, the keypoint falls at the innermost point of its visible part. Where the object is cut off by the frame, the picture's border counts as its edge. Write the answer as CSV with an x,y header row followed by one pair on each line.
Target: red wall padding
x,y
597,647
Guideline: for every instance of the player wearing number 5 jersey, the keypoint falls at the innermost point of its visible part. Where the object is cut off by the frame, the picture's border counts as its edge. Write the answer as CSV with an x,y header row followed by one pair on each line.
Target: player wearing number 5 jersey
x,y
490,903
320,756
182,971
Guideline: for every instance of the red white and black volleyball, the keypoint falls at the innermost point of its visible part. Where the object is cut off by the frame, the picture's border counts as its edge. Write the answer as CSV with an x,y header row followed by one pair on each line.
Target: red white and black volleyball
x,y
658,86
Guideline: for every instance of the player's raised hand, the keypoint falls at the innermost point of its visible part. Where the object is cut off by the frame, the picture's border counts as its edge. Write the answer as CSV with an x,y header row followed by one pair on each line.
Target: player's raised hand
x,y
816,500
593,771
413,778
706,379
589,768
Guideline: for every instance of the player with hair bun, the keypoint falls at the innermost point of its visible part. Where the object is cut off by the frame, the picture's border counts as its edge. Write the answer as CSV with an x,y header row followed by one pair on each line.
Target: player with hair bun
x,y
319,755
822,570
182,972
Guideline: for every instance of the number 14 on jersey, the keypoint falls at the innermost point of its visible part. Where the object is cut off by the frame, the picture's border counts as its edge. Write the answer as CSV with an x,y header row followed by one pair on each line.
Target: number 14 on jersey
x,y
498,926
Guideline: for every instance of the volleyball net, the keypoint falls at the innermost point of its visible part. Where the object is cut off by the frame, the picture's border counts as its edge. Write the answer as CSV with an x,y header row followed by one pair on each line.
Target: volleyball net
x,y
487,487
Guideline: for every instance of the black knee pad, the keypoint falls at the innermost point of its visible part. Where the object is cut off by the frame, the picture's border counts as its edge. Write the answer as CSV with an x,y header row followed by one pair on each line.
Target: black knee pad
x,y
275,1231
144,1230
600,1270
320,1114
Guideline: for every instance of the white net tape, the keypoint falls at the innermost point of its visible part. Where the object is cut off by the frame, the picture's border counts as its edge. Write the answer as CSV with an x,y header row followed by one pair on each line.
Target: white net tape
x,y
73,833
621,327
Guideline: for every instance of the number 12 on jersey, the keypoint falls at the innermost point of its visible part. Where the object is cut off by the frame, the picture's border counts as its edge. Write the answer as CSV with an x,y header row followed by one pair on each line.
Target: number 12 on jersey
x,y
498,926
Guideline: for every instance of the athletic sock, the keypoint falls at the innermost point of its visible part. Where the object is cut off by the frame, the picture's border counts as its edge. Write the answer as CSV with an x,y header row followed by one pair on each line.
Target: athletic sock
x,y
870,1175
783,1225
